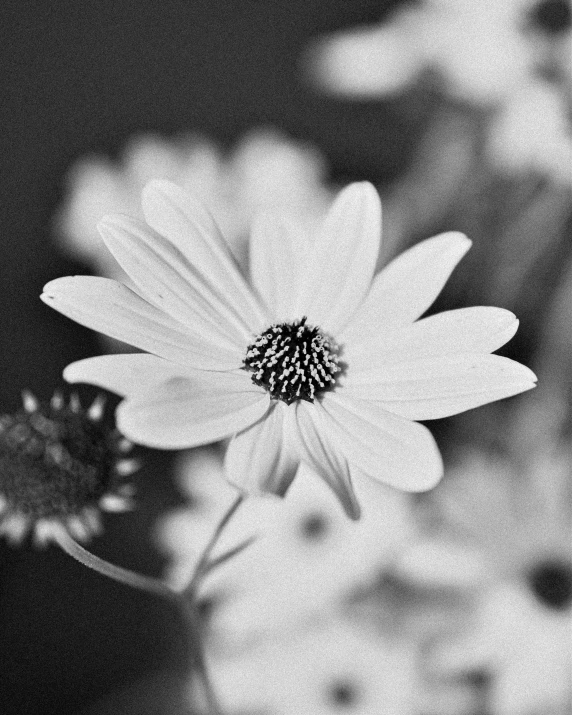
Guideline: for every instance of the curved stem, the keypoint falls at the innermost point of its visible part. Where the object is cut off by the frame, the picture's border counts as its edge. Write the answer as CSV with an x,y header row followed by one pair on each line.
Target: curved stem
x,y
117,573
185,600
190,612
158,588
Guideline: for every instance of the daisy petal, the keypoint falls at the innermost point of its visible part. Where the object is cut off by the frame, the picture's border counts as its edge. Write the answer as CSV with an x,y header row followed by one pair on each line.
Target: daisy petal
x,y
341,263
123,374
440,387
318,451
277,246
165,277
408,286
474,330
192,230
261,458
183,413
115,310
384,446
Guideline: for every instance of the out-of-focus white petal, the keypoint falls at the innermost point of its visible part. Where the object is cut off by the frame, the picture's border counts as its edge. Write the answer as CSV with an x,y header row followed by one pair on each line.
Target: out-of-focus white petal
x,y
473,330
384,446
340,265
482,55
365,62
531,133
527,646
438,387
323,669
262,458
124,374
185,413
406,287
165,277
320,451
441,563
190,227
277,250
115,310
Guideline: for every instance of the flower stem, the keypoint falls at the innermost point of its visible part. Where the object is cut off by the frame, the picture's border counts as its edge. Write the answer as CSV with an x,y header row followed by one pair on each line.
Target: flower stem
x,y
204,561
155,587
192,617
185,600
117,573
189,602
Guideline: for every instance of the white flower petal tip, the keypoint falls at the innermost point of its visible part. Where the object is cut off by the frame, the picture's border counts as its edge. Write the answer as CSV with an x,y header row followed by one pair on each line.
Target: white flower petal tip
x,y
407,286
163,188
433,388
341,263
382,445
51,290
318,445
161,185
448,248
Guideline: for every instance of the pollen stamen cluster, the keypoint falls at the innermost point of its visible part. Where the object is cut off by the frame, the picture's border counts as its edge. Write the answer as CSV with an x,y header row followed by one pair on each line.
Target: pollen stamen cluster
x,y
293,361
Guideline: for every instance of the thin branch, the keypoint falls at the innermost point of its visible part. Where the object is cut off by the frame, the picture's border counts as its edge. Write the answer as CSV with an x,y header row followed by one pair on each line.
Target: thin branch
x,y
203,564
214,563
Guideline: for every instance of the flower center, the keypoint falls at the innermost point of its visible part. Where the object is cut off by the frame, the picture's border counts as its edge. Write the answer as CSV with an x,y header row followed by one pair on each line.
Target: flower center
x,y
551,583
54,462
293,361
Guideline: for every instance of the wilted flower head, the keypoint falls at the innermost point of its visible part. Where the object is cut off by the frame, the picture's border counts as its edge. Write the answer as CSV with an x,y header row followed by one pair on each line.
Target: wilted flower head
x,y
264,171
319,361
60,465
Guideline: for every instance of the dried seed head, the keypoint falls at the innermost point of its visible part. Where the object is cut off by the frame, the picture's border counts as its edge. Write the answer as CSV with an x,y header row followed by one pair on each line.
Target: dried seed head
x,y
60,465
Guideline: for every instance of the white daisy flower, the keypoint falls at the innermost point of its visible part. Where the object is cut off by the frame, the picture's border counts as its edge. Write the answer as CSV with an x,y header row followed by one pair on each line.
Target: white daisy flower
x,y
318,362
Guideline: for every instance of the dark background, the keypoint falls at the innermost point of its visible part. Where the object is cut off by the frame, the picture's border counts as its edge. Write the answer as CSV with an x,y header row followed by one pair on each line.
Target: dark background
x,y
80,77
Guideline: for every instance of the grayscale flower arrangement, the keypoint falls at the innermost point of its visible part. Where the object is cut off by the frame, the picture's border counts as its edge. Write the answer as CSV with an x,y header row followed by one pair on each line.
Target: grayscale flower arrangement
x,y
287,339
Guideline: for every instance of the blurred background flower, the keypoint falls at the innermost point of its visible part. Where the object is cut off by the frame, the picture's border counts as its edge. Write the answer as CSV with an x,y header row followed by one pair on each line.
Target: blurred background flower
x,y
482,52
503,528
264,171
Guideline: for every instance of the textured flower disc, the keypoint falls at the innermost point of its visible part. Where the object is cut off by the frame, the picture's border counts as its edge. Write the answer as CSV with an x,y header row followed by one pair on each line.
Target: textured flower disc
x,y
551,583
293,361
59,465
